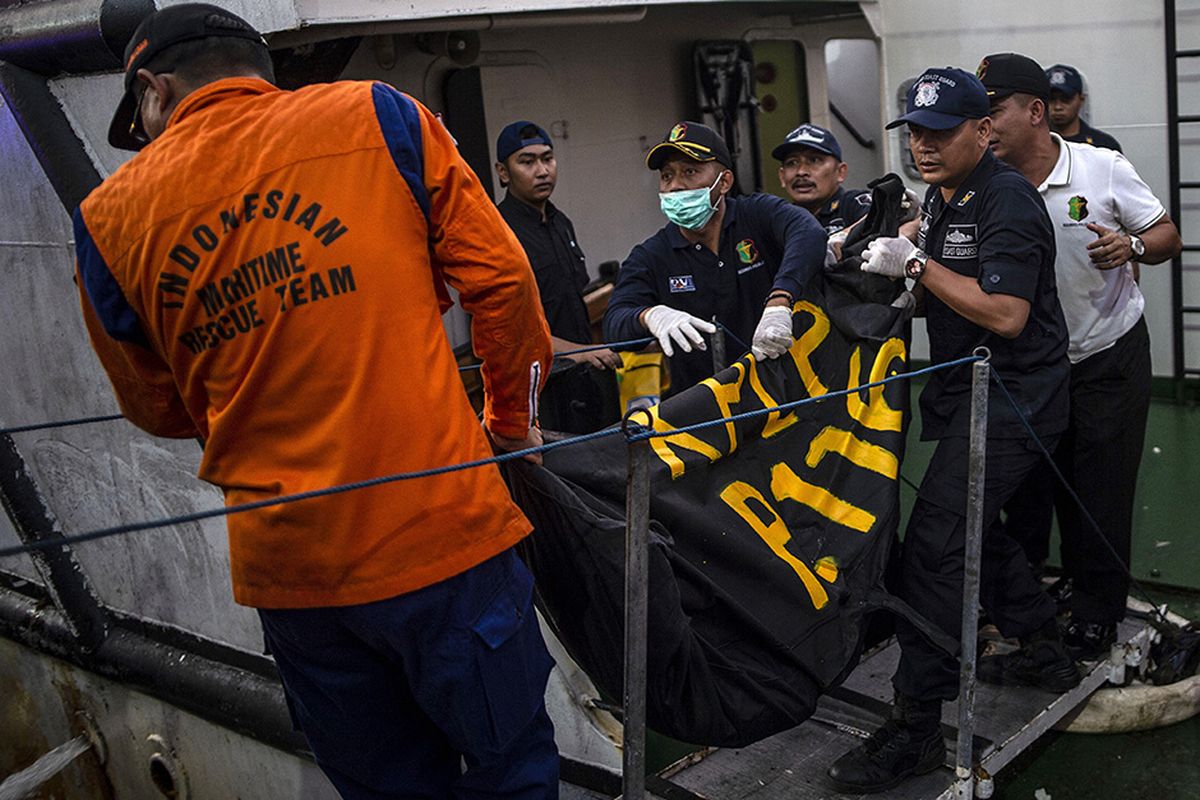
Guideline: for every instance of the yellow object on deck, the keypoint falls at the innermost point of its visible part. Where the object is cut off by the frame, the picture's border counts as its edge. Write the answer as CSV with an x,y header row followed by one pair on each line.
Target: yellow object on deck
x,y
642,378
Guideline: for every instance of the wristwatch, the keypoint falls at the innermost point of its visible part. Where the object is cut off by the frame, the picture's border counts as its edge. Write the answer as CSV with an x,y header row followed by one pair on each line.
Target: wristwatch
x,y
1137,246
915,266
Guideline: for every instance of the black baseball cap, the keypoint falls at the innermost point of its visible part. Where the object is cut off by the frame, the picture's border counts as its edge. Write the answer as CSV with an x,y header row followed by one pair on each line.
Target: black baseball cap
x,y
1009,73
1065,79
694,140
812,136
944,98
158,31
516,135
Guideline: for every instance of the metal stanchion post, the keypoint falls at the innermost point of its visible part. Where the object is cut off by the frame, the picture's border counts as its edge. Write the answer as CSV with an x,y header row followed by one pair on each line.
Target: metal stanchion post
x,y
718,348
964,763
637,547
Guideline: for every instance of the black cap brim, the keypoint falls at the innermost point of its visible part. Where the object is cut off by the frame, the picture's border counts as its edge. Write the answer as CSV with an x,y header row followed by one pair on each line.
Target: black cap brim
x,y
1000,92
120,130
663,150
934,120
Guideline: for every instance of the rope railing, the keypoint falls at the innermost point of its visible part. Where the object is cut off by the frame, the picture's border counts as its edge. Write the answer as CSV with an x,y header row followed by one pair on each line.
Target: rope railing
x,y
632,433
622,345
1087,515
64,423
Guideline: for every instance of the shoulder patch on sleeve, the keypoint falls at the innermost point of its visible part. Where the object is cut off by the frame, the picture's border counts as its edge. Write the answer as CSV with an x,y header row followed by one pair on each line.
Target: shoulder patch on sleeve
x,y
401,125
112,309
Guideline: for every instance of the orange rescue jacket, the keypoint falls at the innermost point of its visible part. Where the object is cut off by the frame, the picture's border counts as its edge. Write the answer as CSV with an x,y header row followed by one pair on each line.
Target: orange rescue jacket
x,y
269,274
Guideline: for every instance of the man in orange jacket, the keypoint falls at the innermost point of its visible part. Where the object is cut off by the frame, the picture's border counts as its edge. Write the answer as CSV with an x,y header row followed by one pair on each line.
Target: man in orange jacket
x,y
268,274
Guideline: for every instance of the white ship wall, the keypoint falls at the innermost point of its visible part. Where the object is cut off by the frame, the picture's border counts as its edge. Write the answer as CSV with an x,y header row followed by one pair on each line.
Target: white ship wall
x,y
1118,46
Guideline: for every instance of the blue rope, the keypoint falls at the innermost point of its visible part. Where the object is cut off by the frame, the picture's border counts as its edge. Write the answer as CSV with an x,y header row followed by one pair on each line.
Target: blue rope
x,y
649,434
745,347
1062,480
39,426
630,437
239,508
628,343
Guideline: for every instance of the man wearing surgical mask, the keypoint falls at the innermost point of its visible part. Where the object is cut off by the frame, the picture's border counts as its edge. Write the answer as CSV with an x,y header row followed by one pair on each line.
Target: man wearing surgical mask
x,y
739,261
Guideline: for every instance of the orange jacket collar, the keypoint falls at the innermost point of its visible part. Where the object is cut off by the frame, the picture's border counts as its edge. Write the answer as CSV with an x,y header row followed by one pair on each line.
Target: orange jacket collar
x,y
212,93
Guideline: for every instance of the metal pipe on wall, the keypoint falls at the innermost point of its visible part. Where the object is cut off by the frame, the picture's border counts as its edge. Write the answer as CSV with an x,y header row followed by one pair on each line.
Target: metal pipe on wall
x,y
69,35
242,700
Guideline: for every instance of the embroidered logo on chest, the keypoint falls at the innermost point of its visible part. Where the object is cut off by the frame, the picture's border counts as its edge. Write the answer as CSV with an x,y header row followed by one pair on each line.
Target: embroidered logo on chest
x,y
746,251
1077,208
681,283
960,242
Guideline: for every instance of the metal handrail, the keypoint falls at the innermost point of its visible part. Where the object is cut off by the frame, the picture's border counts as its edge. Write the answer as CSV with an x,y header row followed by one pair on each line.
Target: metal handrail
x,y
964,768
858,137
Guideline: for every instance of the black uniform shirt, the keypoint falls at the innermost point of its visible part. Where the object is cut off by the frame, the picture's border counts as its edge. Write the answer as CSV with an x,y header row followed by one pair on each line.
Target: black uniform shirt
x,y
765,244
995,229
557,264
1097,138
846,207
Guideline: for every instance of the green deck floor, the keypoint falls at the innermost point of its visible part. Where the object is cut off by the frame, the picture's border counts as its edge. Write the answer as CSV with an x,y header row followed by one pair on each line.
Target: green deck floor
x,y
1161,764
1166,549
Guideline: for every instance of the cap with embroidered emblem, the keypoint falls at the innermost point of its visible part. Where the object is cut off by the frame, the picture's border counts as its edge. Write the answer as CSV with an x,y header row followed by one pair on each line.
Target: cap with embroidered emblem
x,y
693,140
1012,73
811,136
158,31
943,98
1065,79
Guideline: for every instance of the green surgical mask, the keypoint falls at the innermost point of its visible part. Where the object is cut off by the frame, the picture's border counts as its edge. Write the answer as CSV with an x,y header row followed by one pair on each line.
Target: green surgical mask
x,y
690,208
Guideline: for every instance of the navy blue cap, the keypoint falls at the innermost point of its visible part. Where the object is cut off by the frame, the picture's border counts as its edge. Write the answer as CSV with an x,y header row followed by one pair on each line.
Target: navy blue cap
x,y
944,98
1065,79
811,136
516,135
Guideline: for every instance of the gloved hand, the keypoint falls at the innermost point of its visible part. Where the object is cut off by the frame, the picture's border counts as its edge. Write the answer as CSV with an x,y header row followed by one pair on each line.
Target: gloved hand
x,y
911,205
887,256
773,336
670,324
833,248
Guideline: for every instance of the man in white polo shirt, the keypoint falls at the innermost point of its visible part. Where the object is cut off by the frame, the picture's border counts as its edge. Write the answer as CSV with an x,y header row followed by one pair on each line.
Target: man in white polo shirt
x,y
1105,219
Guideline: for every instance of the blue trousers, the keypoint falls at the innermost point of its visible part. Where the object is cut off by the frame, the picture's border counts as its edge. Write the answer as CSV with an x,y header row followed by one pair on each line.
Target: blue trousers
x,y
438,693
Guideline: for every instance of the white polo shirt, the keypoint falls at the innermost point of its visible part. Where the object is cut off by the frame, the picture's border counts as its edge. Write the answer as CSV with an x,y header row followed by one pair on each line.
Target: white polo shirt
x,y
1090,184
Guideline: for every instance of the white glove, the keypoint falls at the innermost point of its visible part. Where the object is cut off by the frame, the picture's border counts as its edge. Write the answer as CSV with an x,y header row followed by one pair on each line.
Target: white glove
x,y
773,336
833,248
911,205
887,256
669,324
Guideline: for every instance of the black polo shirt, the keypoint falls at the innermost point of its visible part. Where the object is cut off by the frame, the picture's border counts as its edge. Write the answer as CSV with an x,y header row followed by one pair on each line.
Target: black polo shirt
x,y
557,263
1093,136
846,207
765,244
995,229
